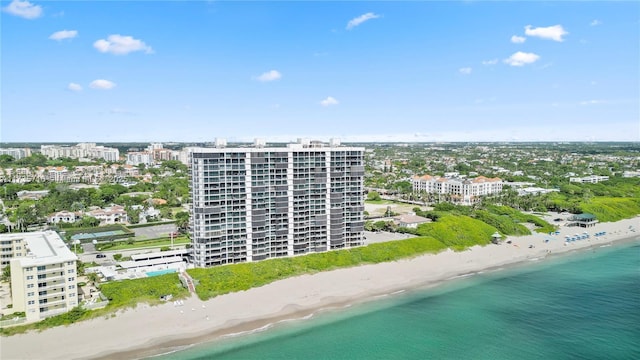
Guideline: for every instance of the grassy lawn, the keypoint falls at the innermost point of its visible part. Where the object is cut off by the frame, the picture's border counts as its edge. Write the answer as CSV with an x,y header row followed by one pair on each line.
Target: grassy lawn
x,y
147,243
381,202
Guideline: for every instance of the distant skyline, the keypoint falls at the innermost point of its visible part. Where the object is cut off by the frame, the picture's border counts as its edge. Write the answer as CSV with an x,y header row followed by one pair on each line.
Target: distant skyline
x,y
193,71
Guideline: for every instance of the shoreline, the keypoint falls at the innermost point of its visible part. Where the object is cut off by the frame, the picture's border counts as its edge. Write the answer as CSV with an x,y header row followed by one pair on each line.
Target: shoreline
x,y
147,331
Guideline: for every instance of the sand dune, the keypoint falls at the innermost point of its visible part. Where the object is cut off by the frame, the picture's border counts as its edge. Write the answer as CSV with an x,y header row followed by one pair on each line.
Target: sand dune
x,y
147,330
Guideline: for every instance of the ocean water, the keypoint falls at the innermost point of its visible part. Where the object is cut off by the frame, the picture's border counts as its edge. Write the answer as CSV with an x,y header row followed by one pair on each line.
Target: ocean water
x,y
580,306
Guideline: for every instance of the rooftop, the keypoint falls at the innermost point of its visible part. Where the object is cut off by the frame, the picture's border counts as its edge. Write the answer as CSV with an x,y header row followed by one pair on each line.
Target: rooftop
x,y
43,248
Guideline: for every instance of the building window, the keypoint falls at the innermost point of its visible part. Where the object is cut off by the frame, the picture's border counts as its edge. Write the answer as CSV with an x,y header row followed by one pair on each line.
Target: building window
x,y
30,269
40,268
29,277
70,271
30,294
72,294
29,286
31,302
71,287
71,278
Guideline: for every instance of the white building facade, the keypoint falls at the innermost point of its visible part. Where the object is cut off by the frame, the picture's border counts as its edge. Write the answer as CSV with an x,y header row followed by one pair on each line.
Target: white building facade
x,y
250,204
16,153
466,191
80,151
592,179
43,278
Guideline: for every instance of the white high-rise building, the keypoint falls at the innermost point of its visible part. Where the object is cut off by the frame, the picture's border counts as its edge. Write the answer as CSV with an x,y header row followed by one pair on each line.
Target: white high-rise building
x,y
16,153
43,274
80,151
257,203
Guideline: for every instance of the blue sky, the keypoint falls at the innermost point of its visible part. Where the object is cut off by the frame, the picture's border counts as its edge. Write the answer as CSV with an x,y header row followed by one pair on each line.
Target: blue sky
x,y
112,71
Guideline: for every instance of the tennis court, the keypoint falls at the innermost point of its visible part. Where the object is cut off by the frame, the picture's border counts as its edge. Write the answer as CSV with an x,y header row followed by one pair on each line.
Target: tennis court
x,y
97,235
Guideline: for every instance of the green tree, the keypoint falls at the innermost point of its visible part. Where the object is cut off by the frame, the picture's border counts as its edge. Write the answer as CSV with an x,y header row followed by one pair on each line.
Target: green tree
x,y
6,273
373,196
88,221
6,160
182,220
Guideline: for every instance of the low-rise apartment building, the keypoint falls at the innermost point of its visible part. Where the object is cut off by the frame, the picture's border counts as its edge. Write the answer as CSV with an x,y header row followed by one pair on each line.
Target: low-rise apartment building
x,y
592,179
43,276
464,191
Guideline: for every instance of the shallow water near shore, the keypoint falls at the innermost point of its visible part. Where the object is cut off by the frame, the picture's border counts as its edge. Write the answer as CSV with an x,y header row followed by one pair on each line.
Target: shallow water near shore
x,y
584,305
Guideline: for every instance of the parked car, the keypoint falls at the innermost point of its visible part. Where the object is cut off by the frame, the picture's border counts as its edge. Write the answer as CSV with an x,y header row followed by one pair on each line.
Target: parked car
x,y
100,256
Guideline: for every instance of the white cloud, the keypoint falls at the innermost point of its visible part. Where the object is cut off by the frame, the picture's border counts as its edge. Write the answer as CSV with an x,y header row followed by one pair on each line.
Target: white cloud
x,y
63,34
595,22
24,9
521,58
490,62
555,32
518,39
592,102
360,19
270,76
121,45
465,70
329,101
74,87
102,84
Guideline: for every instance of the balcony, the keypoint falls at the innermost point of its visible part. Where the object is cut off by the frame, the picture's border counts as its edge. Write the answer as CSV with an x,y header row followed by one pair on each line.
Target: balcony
x,y
60,285
53,278
52,294
51,270
54,303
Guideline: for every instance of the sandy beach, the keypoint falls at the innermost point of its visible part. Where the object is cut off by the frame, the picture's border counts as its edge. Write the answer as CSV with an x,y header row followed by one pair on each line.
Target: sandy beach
x,y
148,330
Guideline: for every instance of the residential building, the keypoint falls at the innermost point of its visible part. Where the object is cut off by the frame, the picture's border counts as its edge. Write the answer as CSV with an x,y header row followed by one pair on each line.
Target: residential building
x,y
410,220
11,247
463,191
64,216
535,191
32,194
80,151
16,153
114,214
628,174
260,202
592,179
43,277
139,157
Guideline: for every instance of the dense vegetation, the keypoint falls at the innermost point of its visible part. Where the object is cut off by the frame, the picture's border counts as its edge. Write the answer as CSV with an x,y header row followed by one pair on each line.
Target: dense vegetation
x,y
237,277
121,294
128,293
612,209
458,232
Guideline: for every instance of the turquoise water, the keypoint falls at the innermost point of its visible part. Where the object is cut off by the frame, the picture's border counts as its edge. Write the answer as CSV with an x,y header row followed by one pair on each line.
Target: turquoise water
x,y
581,306
160,272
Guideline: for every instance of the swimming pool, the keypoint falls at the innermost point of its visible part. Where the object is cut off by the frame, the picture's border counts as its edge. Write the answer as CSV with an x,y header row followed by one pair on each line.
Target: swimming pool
x,y
160,272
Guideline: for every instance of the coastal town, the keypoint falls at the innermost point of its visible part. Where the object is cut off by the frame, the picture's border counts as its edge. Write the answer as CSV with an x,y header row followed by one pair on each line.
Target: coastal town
x,y
143,214
185,180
